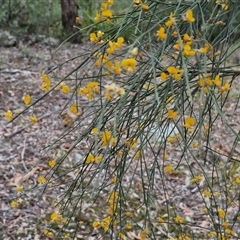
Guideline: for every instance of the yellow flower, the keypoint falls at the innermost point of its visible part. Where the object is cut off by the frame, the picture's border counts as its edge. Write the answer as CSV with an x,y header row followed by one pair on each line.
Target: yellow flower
x,y
171,114
128,214
41,180
145,7
134,51
74,109
128,227
47,233
121,235
143,235
27,99
226,224
186,38
105,223
212,234
67,235
137,1
129,64
107,139
119,42
197,179
14,204
189,122
109,2
183,237
161,34
114,180
117,68
230,232
138,154
237,180
171,20
46,82
90,159
189,16
195,145
111,48
19,189
104,6
225,88
93,37
206,193
98,159
223,4
52,163
92,85
97,17
65,89
179,219
221,213
96,224
175,73
95,131
120,91
112,90
161,220
169,169
217,81
56,218
163,76
107,13
8,115
188,51
33,119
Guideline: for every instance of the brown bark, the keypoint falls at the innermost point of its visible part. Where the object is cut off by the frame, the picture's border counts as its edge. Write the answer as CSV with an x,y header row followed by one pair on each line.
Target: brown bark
x,y
69,14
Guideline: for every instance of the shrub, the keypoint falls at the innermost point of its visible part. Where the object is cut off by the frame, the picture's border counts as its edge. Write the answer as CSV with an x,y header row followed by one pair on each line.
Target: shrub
x,y
146,110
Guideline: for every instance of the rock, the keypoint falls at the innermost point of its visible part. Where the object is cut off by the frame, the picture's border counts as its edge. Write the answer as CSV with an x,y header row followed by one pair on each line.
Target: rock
x,y
7,40
53,42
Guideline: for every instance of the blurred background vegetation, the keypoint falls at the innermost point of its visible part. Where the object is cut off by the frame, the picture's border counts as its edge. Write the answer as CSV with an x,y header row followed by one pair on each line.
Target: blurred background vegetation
x,y
22,17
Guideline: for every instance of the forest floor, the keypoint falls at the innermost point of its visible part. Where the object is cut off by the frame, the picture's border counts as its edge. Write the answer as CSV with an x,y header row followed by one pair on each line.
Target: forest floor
x,y
21,144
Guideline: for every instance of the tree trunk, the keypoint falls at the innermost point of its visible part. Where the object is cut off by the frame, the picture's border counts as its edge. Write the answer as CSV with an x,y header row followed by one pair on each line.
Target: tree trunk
x,y
69,14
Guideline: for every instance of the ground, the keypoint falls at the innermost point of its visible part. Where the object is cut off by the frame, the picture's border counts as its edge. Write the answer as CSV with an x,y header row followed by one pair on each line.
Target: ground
x,y
22,160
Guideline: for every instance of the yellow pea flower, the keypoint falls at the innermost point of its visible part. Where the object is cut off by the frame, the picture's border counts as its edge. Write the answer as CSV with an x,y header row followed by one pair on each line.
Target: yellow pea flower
x,y
217,81
8,115
27,99
65,89
129,64
52,163
90,159
161,34
169,169
14,204
189,122
221,213
41,180
171,20
33,119
171,114
145,7
189,16
46,82
74,109
179,219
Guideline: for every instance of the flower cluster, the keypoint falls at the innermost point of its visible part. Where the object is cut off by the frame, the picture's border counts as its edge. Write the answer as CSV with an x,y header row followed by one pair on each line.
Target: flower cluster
x,y
90,90
106,13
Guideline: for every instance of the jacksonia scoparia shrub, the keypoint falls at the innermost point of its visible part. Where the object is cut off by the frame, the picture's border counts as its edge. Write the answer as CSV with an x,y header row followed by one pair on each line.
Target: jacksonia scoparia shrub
x,y
150,104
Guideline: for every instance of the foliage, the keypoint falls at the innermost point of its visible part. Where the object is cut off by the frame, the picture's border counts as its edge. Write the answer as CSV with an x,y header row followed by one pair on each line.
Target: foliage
x,y
139,105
